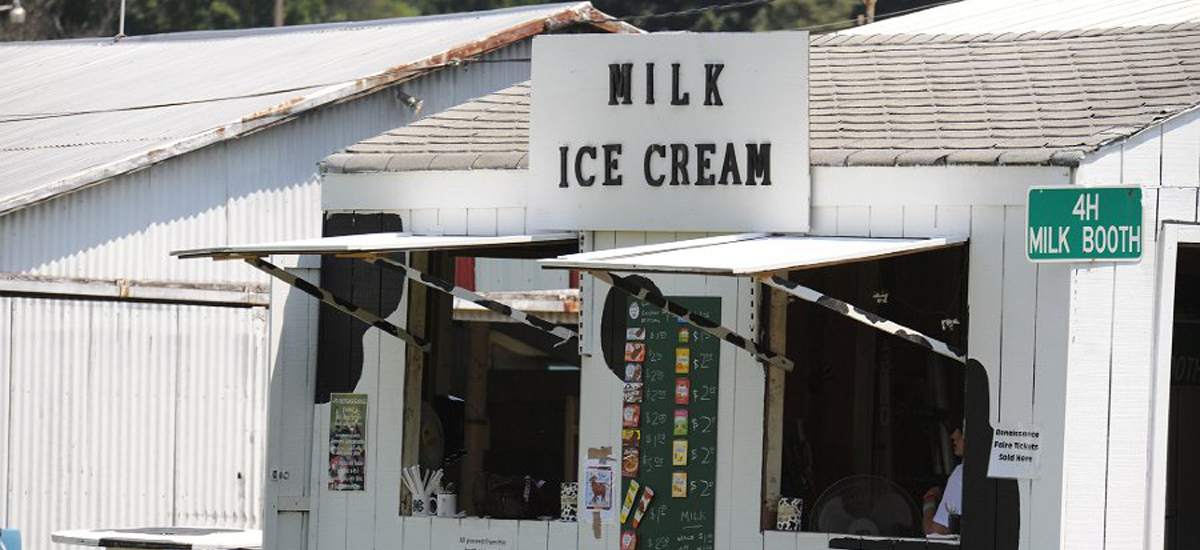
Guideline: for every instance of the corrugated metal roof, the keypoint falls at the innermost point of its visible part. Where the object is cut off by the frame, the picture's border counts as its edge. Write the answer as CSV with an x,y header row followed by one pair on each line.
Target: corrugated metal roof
x,y
78,111
1000,16
1033,98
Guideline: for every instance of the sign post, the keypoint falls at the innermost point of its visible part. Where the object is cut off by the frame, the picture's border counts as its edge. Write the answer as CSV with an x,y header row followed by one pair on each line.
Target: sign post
x,y
1081,224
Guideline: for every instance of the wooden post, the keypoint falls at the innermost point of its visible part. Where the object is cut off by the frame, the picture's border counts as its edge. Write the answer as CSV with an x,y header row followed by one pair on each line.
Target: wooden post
x,y
773,416
414,370
571,438
475,416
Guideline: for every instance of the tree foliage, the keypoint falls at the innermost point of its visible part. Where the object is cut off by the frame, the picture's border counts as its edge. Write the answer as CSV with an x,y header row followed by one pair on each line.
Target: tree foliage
x,y
49,19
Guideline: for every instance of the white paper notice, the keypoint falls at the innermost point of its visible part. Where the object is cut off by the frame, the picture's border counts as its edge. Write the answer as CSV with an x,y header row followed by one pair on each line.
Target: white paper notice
x,y
1016,452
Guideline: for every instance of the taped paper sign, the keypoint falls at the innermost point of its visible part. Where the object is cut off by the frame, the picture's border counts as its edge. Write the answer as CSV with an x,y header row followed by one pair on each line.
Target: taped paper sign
x,y
1016,452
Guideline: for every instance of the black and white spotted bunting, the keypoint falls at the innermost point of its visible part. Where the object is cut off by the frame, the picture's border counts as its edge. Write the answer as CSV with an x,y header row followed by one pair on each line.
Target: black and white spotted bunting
x,y
862,316
564,334
703,323
338,303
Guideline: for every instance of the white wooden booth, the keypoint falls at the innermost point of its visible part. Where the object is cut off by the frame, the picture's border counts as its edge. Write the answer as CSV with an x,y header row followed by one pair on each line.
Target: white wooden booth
x,y
1079,352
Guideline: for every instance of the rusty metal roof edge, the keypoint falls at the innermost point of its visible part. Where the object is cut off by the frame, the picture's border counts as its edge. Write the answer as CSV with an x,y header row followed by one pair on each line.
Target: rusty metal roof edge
x,y
580,12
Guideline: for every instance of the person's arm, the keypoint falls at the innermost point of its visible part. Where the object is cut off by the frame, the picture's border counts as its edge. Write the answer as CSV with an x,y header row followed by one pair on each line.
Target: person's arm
x,y
929,508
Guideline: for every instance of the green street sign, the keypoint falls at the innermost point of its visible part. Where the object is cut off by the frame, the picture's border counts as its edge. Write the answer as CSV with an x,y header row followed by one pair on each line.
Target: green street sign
x,y
1079,224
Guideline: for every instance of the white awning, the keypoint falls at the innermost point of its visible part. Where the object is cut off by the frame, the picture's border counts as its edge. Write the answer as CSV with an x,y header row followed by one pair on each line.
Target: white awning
x,y
746,254
381,243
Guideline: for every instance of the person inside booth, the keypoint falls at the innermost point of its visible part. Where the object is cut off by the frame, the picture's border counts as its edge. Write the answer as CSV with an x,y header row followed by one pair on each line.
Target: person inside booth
x,y
940,509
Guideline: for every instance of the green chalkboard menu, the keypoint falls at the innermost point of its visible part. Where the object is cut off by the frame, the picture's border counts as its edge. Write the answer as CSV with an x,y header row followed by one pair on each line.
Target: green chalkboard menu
x,y
669,435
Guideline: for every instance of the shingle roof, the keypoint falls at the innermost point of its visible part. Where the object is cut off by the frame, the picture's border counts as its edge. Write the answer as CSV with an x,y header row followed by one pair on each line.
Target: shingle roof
x,y
491,132
980,16
1011,99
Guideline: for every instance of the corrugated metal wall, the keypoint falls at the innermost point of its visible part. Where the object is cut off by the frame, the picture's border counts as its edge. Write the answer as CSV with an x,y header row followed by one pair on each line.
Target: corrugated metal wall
x,y
131,414
123,414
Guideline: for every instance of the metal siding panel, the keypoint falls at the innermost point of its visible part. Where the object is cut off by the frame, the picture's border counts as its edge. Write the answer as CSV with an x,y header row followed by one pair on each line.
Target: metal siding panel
x,y
104,411
48,412
6,305
263,187
221,408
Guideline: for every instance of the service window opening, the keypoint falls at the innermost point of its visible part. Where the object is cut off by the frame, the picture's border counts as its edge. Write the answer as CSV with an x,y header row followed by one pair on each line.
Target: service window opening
x,y
867,417
500,412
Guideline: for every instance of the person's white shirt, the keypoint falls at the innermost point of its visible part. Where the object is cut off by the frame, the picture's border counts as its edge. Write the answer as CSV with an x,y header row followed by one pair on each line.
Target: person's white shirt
x,y
951,499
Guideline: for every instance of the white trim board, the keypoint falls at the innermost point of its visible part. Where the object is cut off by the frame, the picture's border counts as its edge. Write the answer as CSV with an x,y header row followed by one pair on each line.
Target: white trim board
x,y
1170,237
878,186
389,191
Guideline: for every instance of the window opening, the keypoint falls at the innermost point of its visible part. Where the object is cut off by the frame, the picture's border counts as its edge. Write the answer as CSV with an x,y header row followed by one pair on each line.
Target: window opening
x,y
867,417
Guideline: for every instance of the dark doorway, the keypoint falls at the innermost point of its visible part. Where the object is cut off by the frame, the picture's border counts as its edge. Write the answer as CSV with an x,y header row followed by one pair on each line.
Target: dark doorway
x,y
1183,447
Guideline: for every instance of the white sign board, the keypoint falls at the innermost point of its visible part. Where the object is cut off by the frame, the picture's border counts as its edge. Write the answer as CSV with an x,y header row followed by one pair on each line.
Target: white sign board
x,y
670,132
1016,452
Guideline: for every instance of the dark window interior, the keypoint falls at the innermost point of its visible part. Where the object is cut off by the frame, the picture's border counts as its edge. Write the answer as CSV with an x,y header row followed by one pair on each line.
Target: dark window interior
x,y
1183,447
862,402
528,441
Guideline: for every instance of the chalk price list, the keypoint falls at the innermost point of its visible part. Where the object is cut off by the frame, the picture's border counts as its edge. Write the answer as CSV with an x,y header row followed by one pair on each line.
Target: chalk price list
x,y
669,432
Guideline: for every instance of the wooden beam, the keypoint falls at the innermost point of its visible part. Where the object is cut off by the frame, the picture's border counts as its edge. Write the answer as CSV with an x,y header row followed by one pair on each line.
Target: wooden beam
x,y
475,416
414,370
571,438
773,415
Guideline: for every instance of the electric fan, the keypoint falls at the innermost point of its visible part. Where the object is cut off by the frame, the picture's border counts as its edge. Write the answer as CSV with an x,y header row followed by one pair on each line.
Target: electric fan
x,y
865,505
433,439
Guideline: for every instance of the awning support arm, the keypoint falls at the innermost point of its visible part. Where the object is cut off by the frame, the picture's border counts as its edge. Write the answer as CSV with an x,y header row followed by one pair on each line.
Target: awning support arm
x,y
564,334
340,304
699,321
864,317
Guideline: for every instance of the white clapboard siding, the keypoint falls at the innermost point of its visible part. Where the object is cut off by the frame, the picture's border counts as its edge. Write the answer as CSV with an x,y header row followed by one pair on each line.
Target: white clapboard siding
x,y
329,507
854,221
781,540
953,220
1100,168
1050,385
1085,439
749,390
510,220
452,221
419,532
562,535
533,535
444,532
504,529
1132,395
1181,151
425,221
985,296
389,432
887,220
1018,330
823,220
601,404
1142,159
920,220
481,221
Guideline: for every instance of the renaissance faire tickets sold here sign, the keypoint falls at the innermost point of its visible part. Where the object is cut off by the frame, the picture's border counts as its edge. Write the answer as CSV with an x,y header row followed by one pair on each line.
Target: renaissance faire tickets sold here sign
x,y
676,132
